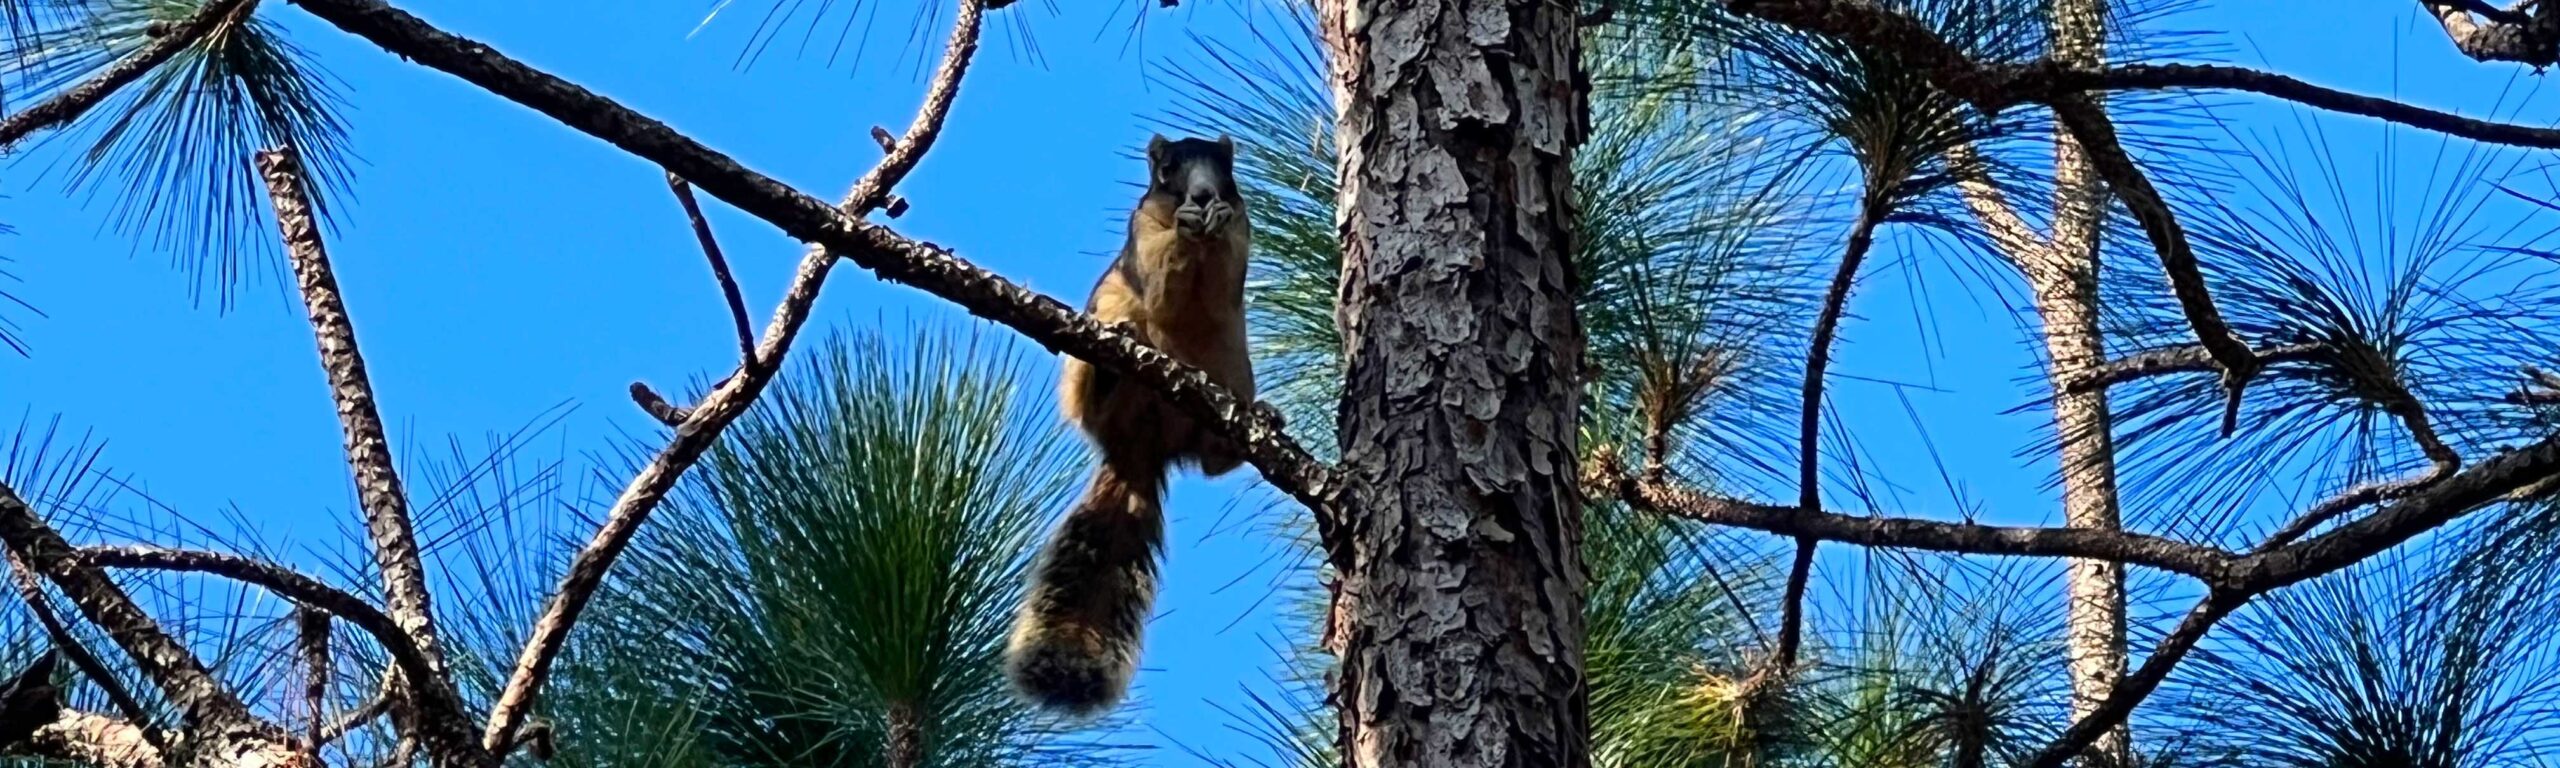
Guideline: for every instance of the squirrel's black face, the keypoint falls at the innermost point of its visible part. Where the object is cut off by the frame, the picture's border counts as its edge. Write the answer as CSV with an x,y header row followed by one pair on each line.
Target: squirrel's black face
x,y
1198,177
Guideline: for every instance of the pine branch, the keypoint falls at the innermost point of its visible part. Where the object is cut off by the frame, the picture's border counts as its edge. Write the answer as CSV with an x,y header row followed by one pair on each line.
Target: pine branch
x,y
89,664
79,99
931,268
442,721
1826,327
2143,680
169,665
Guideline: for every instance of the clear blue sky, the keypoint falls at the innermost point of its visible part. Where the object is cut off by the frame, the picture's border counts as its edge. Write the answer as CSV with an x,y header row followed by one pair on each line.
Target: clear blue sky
x,y
498,264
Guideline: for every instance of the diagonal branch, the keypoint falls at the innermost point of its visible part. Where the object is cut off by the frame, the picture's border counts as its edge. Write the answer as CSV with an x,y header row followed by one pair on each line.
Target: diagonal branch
x,y
201,700
2139,684
70,104
931,268
32,594
703,422
368,447
719,268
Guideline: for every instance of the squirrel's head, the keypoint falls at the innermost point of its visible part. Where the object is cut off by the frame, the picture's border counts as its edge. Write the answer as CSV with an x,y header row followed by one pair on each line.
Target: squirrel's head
x,y
1197,177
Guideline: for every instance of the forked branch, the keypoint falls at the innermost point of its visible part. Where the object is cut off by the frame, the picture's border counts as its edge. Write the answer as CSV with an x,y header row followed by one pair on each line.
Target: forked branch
x,y
168,664
698,426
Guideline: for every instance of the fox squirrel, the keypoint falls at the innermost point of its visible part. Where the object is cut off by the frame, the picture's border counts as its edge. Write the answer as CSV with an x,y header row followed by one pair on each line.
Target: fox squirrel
x,y
1178,285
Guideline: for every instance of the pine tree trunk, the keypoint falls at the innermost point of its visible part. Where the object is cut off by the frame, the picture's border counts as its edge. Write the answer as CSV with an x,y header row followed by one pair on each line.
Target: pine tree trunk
x,y
1458,618
2065,279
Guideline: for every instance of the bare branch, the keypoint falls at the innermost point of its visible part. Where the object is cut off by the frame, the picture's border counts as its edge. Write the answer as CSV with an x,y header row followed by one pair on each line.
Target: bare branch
x,y
77,100
440,721
704,421
2213,566
1835,301
2047,81
2097,137
2183,359
657,407
2138,685
201,699
312,627
285,582
719,267
2009,232
368,447
89,664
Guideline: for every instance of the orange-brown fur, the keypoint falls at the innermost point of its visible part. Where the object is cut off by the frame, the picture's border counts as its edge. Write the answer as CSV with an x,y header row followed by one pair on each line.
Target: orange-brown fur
x,y
1076,639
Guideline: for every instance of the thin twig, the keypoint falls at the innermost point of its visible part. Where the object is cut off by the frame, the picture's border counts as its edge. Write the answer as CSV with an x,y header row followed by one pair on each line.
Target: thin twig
x,y
2041,82
374,707
122,697
657,407
719,267
2396,399
2203,563
79,99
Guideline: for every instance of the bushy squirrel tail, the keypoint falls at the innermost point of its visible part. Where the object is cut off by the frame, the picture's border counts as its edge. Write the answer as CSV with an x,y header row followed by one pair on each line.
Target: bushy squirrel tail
x,y
1075,640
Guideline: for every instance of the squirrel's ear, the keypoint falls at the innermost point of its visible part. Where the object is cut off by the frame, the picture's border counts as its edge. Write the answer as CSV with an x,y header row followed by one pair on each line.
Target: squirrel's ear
x,y
1155,148
1228,144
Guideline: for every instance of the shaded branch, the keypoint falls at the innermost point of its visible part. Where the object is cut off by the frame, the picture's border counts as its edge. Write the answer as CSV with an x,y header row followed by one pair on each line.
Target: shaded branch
x,y
79,99
89,664
284,582
312,628
168,664
719,269
1826,326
